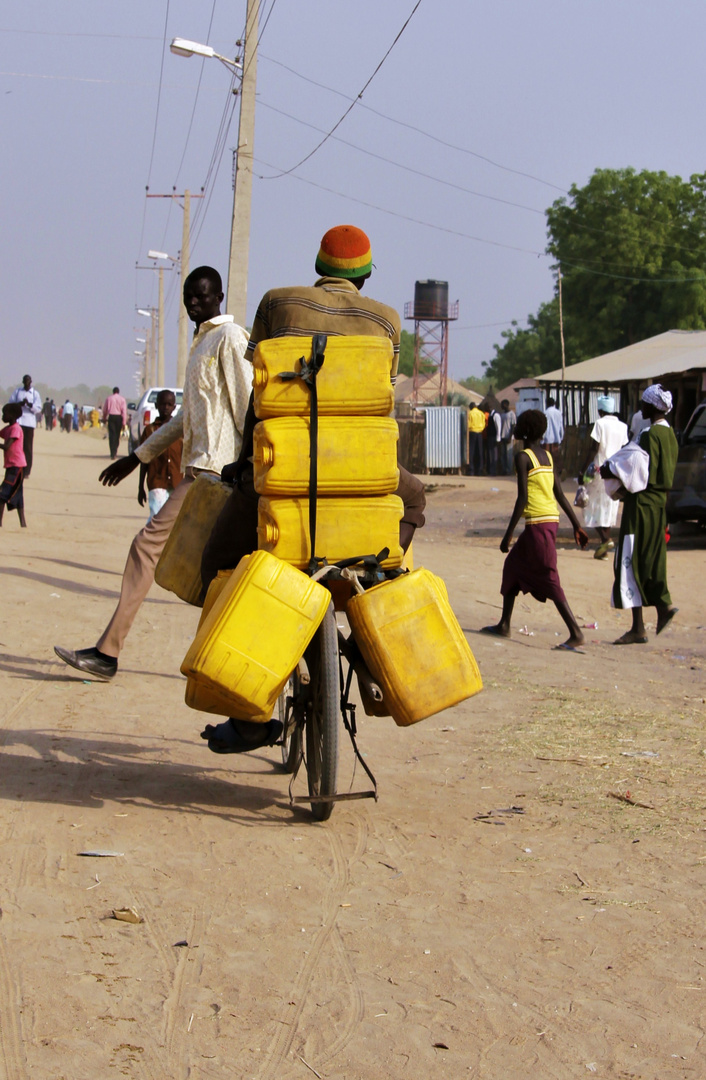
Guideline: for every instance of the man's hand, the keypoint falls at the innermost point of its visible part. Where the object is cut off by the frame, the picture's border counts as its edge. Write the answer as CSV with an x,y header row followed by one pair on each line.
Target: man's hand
x,y
142,496
505,544
119,470
230,474
606,471
581,538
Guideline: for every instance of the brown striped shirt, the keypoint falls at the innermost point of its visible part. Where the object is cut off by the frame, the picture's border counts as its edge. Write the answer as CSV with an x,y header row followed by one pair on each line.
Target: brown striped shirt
x,y
331,306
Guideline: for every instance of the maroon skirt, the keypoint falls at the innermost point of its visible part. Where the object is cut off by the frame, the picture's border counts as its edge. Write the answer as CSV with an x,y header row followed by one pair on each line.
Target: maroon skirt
x,y
530,566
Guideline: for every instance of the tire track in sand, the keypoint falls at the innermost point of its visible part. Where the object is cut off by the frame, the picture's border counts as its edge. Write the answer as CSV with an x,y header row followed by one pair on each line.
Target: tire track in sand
x,y
275,1062
11,1046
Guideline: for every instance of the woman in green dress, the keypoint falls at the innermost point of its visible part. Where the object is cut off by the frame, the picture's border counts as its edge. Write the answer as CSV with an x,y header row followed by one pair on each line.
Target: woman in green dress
x,y
641,556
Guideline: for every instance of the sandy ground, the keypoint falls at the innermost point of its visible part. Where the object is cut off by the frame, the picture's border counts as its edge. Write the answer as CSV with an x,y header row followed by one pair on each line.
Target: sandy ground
x,y
499,913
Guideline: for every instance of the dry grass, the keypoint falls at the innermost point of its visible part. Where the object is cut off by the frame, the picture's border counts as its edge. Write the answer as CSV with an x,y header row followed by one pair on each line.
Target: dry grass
x,y
596,751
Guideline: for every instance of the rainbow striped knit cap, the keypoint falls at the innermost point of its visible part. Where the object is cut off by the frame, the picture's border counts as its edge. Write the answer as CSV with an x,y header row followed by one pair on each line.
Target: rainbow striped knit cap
x,y
345,253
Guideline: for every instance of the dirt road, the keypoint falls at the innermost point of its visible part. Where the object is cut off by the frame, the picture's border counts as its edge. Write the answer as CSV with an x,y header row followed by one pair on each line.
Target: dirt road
x,y
526,898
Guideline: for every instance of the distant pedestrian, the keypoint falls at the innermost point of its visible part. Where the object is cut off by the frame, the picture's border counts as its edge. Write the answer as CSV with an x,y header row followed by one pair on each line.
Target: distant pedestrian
x,y
531,566
67,416
554,436
492,438
31,404
608,434
508,421
476,427
48,410
11,491
115,415
163,473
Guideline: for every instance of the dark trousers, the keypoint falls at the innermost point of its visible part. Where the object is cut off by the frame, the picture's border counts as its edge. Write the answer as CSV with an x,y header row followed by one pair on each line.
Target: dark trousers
x,y
115,426
28,447
235,531
475,453
491,449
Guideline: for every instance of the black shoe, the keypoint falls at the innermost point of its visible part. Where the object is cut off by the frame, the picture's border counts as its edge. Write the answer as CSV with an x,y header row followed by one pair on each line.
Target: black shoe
x,y
90,661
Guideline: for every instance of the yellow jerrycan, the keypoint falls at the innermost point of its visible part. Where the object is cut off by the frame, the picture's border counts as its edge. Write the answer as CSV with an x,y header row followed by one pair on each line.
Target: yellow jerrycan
x,y
345,527
255,634
179,566
413,646
354,379
198,697
356,455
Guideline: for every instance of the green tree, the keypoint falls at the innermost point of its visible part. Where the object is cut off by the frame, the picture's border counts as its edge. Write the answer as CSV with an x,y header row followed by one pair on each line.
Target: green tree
x,y
632,250
478,386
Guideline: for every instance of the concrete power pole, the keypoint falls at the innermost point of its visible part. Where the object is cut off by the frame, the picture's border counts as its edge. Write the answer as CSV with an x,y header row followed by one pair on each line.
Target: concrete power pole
x,y
236,296
160,330
183,340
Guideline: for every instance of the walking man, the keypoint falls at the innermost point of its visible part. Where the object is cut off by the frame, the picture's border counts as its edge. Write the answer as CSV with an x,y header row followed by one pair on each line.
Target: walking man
x,y
554,435
216,390
31,403
476,427
67,416
115,415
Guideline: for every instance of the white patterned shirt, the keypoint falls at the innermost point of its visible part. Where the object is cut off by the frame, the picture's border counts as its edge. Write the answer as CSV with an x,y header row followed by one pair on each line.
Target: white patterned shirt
x,y
217,387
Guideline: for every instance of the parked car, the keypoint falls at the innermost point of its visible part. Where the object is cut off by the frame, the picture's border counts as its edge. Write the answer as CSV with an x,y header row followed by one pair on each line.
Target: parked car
x,y
687,499
146,411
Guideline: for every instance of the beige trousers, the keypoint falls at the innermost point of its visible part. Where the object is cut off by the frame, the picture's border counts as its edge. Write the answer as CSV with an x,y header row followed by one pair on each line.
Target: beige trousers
x,y
139,570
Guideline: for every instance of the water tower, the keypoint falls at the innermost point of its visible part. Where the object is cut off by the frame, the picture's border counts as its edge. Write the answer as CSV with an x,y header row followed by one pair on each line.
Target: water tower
x,y
432,314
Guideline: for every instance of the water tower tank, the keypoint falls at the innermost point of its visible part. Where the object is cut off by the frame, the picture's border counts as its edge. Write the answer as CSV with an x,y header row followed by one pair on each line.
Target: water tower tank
x,y
431,299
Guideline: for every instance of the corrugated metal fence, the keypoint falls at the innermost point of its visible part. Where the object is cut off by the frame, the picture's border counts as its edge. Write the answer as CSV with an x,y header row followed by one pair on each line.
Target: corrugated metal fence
x,y
446,438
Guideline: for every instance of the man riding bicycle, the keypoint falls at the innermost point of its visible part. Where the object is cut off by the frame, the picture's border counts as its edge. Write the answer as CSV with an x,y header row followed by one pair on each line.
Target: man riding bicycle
x,y
333,306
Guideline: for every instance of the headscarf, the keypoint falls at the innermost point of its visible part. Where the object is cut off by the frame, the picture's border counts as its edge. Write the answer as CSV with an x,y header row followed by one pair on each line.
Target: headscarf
x,y
658,397
606,404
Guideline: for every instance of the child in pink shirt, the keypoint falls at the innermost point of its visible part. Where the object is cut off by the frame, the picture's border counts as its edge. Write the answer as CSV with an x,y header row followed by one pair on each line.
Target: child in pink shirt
x,y
11,492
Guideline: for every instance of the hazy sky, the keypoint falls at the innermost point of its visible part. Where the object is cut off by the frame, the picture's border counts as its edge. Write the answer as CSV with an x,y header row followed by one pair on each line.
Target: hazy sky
x,y
548,88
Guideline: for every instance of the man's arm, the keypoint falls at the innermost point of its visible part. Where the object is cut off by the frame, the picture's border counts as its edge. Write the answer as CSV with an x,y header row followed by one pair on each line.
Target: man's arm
x,y
150,449
36,405
237,374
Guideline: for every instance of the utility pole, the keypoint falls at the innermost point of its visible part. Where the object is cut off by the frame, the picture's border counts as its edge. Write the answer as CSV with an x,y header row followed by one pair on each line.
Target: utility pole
x,y
236,296
160,330
183,322
151,381
183,342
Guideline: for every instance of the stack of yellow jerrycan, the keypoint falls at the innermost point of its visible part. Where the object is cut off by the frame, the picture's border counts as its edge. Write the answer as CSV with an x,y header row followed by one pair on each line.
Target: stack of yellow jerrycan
x,y
258,620
179,566
357,512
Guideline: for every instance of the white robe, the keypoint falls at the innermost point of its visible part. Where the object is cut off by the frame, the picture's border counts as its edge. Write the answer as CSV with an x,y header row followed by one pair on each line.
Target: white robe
x,y
610,434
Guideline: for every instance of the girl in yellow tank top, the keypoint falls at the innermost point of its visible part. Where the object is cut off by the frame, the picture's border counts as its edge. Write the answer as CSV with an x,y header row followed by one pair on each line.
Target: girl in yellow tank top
x,y
531,566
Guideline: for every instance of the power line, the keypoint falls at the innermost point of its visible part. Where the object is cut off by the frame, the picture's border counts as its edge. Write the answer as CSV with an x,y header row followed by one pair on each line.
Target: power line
x,y
196,97
154,132
399,165
286,172
406,217
418,130
69,33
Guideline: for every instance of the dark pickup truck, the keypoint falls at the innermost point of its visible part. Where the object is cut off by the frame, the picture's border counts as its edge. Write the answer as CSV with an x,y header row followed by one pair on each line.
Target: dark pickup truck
x,y
687,499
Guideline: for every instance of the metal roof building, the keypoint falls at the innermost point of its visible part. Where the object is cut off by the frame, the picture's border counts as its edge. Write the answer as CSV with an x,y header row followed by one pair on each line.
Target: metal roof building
x,y
676,358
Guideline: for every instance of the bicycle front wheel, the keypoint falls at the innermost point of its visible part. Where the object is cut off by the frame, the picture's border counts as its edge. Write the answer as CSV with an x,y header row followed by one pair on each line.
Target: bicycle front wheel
x,y
288,713
322,716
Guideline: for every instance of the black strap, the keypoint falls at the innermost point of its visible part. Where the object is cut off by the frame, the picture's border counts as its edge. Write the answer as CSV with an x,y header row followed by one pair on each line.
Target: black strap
x,y
307,373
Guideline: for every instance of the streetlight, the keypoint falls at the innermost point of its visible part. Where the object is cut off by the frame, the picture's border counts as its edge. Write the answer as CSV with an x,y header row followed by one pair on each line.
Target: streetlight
x,y
242,190
160,318
184,47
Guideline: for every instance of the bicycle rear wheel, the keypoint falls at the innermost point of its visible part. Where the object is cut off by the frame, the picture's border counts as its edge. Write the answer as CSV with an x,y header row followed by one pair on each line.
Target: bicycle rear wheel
x,y
322,715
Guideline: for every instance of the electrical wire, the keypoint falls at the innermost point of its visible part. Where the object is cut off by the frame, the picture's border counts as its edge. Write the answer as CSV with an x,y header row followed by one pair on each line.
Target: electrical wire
x,y
399,165
407,217
287,172
156,122
412,127
196,97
